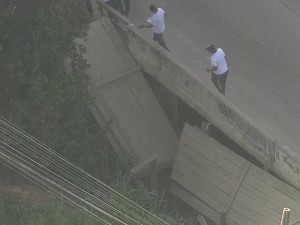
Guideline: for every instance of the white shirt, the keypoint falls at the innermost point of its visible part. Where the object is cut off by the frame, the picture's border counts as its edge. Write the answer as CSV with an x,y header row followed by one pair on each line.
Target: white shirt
x,y
218,60
158,21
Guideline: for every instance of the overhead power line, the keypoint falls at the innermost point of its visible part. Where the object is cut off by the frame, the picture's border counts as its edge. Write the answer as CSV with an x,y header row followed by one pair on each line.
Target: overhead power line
x,y
46,168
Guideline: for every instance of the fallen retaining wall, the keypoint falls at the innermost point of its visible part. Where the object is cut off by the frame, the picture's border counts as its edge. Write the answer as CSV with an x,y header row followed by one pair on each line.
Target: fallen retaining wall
x,y
210,104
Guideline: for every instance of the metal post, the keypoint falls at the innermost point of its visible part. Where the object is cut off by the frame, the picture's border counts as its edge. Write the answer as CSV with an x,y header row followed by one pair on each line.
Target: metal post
x,y
223,219
285,216
153,175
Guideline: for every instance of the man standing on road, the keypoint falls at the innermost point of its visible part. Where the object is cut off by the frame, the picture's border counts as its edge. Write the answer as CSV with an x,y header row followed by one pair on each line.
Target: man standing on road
x,y
157,21
219,68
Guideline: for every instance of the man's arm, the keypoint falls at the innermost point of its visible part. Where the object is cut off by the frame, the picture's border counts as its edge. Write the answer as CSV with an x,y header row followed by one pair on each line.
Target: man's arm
x,y
213,66
212,69
149,25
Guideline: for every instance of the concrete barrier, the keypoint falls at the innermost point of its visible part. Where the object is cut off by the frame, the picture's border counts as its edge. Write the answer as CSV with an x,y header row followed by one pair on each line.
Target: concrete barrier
x,y
210,104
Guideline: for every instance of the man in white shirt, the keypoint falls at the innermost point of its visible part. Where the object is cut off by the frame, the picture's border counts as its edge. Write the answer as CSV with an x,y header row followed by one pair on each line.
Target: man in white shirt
x,y
219,68
157,22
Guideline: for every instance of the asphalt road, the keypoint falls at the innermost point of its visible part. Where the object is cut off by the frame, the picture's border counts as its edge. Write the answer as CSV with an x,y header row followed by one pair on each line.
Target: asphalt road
x,y
261,40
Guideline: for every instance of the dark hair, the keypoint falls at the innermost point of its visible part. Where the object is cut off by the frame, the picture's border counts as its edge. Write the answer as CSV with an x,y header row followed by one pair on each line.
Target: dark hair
x,y
153,8
211,49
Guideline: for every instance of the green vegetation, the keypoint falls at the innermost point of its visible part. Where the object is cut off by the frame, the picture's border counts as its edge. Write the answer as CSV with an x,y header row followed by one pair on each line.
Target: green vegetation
x,y
44,80
43,90
19,211
43,74
24,211
148,200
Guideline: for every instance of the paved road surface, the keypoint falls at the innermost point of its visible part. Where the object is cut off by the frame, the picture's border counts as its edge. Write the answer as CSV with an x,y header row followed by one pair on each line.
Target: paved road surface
x,y
261,39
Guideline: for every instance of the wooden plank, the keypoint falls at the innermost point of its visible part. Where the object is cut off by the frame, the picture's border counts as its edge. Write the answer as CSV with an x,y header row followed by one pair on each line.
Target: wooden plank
x,y
266,201
148,138
273,193
216,201
194,202
118,130
213,156
103,102
103,58
140,116
126,120
202,173
213,147
98,52
230,222
237,187
241,219
154,112
276,183
103,54
128,72
267,211
109,58
100,35
122,105
261,198
125,60
119,44
99,66
204,182
294,219
114,141
93,73
216,165
158,123
251,214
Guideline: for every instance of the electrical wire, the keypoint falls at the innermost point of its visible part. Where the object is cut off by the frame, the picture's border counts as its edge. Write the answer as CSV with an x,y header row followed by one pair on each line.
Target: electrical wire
x,y
48,171
43,166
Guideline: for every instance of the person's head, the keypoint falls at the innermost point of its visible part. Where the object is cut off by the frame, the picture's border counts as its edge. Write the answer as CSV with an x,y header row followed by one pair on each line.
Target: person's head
x,y
153,8
211,49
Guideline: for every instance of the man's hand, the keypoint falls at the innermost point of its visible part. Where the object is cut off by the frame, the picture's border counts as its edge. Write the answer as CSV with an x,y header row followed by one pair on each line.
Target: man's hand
x,y
145,25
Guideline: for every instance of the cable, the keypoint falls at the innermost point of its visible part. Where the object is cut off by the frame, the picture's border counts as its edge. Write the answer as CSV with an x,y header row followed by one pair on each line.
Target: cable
x,y
19,146
70,185
40,164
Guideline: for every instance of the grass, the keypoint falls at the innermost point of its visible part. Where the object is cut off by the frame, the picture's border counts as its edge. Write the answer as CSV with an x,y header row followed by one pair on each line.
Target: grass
x,y
19,211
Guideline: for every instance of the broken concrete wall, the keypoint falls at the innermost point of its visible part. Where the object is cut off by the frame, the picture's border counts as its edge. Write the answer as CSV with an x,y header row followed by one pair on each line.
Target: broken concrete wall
x,y
222,113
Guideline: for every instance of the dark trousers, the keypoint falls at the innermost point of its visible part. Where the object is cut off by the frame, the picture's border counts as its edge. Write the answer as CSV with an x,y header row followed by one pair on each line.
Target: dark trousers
x,y
219,81
89,7
126,5
111,3
159,38
119,6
